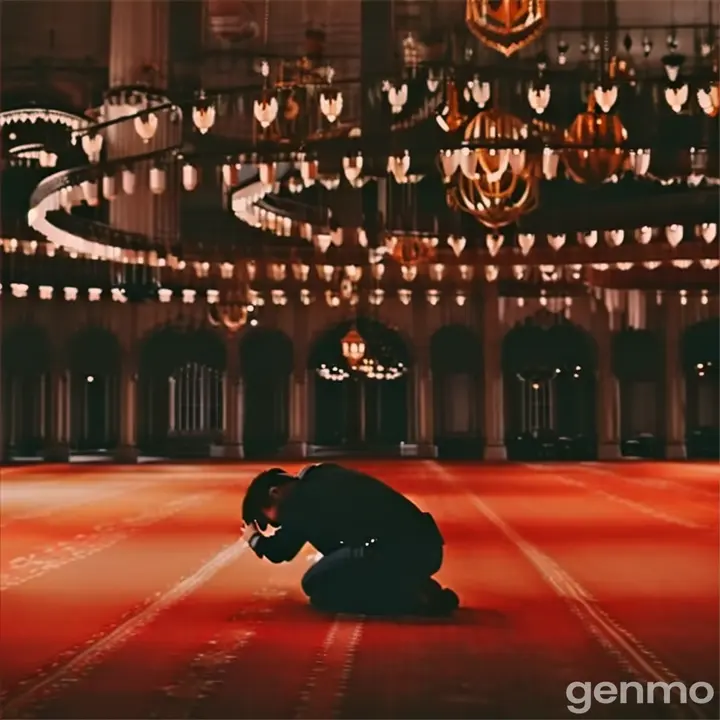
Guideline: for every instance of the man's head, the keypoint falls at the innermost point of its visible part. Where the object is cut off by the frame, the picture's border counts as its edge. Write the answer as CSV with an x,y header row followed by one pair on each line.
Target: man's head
x,y
264,497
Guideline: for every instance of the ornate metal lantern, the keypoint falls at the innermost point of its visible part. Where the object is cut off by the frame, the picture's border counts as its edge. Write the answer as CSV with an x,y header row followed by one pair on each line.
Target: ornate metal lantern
x,y
353,348
506,25
587,164
495,185
229,312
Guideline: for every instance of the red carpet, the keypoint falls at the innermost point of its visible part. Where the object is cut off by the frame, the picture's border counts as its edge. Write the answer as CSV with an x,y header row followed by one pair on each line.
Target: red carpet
x,y
124,594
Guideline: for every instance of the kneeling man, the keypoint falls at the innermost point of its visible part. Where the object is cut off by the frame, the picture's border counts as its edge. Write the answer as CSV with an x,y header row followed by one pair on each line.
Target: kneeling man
x,y
379,550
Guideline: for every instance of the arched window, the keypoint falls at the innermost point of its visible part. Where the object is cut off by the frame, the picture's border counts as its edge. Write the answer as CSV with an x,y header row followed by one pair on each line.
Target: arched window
x,y
181,392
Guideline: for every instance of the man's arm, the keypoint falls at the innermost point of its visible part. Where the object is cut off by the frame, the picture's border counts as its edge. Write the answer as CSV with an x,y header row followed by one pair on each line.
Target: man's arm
x,y
283,546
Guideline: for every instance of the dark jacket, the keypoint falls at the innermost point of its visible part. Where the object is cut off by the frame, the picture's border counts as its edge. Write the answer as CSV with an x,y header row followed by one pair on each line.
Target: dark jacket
x,y
330,506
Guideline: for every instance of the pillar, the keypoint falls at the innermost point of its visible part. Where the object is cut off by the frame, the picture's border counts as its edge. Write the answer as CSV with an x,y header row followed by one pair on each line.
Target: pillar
x,y
607,390
58,446
424,406
233,401
493,390
675,400
139,43
127,450
411,433
299,412
3,444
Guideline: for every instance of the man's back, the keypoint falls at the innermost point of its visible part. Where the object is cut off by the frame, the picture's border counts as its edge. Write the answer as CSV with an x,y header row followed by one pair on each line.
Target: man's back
x,y
332,506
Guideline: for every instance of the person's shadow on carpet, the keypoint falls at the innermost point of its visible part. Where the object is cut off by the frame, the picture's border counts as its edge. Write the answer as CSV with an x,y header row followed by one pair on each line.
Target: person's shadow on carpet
x,y
295,609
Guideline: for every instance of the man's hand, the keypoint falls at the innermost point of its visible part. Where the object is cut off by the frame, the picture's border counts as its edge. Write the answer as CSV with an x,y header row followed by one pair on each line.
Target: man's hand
x,y
248,531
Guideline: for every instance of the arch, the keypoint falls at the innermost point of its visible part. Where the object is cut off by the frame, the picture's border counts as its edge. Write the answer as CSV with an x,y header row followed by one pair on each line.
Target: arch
x,y
637,360
538,347
356,409
700,354
93,350
94,356
266,361
456,360
181,381
380,338
26,349
27,355
549,372
701,343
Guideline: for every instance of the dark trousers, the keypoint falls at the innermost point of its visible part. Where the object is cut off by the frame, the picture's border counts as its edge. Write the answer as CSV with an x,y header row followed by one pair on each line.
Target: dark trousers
x,y
377,579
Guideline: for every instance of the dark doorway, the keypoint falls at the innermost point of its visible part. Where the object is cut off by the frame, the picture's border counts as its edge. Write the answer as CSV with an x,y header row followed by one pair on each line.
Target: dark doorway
x,y
361,409
180,396
549,381
266,358
457,402
26,401
638,367
701,360
94,390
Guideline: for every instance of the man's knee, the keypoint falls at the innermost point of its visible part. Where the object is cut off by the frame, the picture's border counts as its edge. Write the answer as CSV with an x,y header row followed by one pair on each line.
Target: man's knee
x,y
308,582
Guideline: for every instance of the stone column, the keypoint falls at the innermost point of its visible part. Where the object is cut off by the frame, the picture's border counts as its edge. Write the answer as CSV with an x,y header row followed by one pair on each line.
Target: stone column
x,y
58,447
411,400
675,400
127,450
300,389
233,401
299,404
139,40
493,389
607,390
424,405
3,409
298,410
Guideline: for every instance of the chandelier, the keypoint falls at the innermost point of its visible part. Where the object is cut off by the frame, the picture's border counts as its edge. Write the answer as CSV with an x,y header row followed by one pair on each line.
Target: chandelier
x,y
594,165
494,185
378,370
506,25
410,249
230,313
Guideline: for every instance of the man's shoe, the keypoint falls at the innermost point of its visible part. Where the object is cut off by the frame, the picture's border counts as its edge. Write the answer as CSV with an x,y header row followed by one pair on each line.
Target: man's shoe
x,y
447,602
440,602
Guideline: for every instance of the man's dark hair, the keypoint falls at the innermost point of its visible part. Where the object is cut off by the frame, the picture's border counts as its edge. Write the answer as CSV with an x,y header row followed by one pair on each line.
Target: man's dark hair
x,y
257,496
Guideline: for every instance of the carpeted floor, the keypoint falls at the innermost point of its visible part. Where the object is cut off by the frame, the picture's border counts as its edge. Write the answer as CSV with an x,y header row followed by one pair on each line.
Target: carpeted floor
x,y
125,594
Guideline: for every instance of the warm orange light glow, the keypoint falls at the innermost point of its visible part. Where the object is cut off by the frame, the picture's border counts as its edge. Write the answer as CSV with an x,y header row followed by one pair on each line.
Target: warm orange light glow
x,y
506,25
353,347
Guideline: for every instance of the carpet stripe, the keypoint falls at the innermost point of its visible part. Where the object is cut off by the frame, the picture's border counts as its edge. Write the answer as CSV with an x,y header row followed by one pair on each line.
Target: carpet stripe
x,y
92,655
328,680
24,568
654,482
84,497
631,504
626,649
